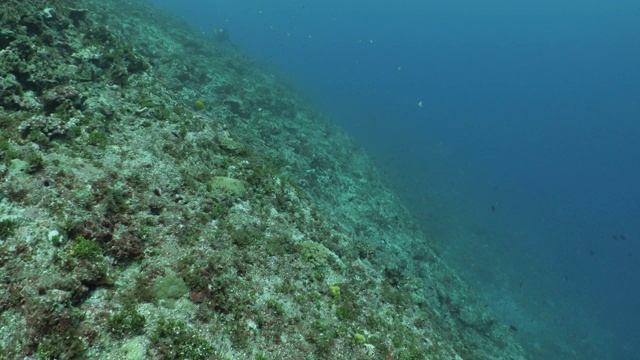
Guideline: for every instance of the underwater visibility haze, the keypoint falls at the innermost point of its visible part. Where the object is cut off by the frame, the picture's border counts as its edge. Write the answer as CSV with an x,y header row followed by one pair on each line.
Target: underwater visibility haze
x,y
216,179
511,129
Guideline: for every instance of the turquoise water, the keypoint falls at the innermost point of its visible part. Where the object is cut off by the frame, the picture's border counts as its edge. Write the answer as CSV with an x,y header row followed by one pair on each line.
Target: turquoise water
x,y
511,130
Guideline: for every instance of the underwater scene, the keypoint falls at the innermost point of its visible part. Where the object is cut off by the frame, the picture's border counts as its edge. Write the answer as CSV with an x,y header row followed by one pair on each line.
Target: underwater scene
x,y
215,179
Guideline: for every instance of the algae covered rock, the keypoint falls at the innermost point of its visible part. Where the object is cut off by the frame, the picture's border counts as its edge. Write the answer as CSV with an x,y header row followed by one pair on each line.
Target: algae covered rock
x,y
228,185
314,253
170,287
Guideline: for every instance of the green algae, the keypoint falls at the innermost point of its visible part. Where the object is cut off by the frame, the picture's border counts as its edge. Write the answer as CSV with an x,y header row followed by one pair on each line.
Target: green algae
x,y
127,321
85,249
175,340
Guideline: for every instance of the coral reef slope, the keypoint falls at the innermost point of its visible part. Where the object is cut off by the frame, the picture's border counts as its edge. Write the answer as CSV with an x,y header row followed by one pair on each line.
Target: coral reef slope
x,y
162,196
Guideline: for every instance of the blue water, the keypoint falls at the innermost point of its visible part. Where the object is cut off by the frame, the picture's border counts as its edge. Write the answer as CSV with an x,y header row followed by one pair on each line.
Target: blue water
x,y
523,162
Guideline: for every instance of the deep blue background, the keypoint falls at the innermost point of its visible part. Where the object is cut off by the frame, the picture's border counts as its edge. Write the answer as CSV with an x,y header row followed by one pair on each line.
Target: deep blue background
x,y
530,107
